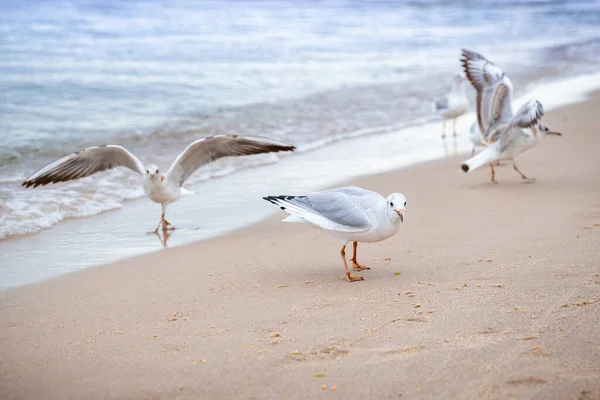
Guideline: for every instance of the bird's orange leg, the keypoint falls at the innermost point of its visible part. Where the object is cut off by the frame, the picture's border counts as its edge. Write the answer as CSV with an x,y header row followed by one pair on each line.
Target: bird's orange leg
x,y
493,174
349,276
166,225
520,173
160,222
356,266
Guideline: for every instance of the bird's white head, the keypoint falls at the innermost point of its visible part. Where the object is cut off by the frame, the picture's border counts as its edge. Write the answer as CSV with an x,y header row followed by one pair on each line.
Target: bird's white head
x,y
544,130
152,171
396,206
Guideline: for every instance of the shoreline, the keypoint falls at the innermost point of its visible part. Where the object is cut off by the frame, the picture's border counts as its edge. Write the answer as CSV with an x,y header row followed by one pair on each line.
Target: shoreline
x,y
81,243
496,297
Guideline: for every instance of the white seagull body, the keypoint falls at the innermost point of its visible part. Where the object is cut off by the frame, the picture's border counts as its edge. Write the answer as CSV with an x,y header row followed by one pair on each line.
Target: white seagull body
x,y
476,137
505,133
162,189
453,104
351,214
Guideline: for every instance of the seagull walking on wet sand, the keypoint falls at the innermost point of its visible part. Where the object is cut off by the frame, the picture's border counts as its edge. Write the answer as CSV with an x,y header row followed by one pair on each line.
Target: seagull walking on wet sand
x,y
160,188
351,214
453,104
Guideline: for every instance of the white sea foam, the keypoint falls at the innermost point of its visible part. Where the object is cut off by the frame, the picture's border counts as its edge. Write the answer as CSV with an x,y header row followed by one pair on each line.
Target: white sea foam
x,y
154,77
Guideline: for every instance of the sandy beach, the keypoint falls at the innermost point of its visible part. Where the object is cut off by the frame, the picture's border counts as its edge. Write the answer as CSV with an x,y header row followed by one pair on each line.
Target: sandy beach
x,y
488,291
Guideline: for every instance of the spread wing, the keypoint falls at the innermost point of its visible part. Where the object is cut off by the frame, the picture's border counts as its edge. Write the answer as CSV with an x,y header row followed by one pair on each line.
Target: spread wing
x,y
526,117
206,150
493,87
85,163
501,102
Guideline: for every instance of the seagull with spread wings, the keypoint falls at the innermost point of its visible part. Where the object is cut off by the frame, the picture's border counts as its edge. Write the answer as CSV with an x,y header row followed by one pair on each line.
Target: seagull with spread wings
x,y
160,188
505,133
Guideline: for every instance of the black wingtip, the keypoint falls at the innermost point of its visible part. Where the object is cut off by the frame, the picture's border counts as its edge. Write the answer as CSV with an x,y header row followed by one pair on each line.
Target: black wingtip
x,y
281,197
270,199
465,167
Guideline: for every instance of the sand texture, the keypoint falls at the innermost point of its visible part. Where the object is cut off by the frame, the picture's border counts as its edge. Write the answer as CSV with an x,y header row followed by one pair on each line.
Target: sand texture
x,y
488,291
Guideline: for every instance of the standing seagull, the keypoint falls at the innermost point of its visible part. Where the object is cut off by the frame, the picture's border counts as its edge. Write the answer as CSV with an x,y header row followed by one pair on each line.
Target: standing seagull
x,y
350,213
505,133
453,104
163,189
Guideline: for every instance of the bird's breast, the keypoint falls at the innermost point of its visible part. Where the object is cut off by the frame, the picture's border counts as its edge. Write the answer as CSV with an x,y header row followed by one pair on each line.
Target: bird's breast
x,y
159,192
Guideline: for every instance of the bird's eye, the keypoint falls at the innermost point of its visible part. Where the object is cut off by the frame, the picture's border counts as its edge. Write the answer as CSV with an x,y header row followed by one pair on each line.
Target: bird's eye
x,y
404,204
147,171
392,204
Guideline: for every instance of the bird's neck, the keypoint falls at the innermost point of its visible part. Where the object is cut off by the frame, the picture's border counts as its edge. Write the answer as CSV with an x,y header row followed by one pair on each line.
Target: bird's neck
x,y
155,180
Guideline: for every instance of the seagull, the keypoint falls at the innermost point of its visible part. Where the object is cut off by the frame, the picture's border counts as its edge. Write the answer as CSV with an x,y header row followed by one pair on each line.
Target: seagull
x,y
520,134
453,104
479,143
476,137
505,133
350,213
160,188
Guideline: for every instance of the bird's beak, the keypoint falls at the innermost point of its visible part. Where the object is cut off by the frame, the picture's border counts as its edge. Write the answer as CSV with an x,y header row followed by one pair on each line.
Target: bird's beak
x,y
401,215
555,133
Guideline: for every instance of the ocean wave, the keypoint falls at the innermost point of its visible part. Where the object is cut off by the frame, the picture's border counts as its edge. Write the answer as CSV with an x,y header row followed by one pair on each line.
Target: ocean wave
x,y
153,78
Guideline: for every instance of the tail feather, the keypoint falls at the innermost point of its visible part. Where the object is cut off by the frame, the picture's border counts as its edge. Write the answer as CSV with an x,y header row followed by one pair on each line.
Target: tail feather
x,y
287,204
279,200
487,156
294,218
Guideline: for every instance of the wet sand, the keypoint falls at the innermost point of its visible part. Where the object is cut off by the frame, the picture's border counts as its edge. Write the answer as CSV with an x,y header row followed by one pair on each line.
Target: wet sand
x,y
488,291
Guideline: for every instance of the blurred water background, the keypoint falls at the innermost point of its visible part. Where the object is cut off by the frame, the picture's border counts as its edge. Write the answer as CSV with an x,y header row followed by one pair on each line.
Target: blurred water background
x,y
153,76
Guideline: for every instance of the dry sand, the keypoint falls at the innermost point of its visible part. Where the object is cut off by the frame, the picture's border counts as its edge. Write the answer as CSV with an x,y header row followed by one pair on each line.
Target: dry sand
x,y
488,291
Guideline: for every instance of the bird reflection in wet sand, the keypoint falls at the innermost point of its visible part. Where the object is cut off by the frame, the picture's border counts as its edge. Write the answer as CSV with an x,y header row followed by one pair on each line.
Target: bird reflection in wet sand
x,y
164,238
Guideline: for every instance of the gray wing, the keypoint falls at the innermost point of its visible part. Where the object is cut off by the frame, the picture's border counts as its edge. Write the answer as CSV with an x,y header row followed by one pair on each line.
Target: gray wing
x,y
338,207
498,100
85,163
206,150
526,117
441,104
352,191
482,74
334,209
